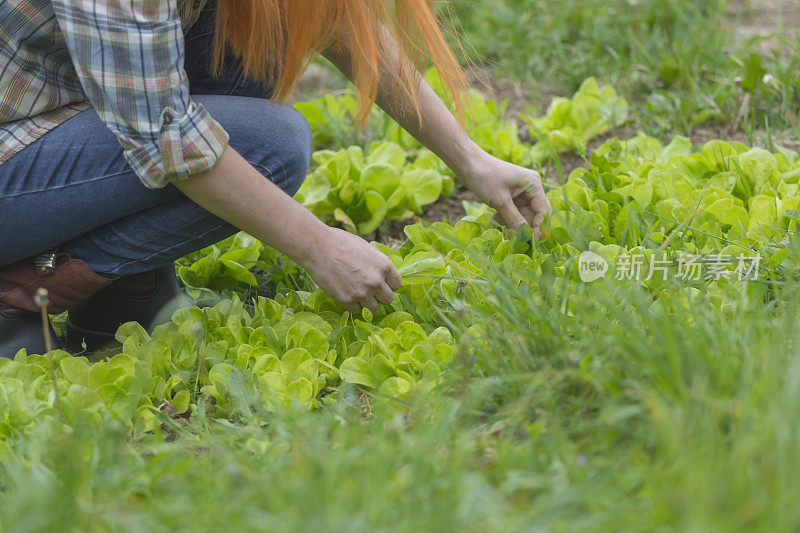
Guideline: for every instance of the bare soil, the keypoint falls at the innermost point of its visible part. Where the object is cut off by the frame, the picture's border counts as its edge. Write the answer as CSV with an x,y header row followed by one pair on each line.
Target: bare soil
x,y
316,81
764,20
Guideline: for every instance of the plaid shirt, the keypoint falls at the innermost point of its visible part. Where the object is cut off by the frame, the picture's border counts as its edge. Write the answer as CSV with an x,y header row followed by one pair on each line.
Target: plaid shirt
x,y
123,57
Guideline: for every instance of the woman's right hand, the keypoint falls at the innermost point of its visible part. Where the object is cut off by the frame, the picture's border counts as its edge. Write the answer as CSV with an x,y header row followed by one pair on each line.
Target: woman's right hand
x,y
352,272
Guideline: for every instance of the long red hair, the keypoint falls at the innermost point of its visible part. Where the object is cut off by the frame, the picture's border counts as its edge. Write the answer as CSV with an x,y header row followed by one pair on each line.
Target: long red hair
x,y
276,39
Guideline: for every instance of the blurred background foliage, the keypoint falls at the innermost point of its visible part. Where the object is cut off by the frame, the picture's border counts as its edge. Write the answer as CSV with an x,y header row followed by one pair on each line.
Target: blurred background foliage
x,y
683,63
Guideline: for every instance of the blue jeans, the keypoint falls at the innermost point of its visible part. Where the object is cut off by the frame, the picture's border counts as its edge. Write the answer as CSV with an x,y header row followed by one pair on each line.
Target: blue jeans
x,y
72,188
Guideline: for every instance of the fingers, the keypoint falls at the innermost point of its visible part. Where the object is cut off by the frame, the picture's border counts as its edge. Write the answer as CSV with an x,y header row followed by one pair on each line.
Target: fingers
x,y
354,308
370,303
532,193
375,294
381,288
393,278
528,212
358,276
384,295
540,204
533,203
524,204
510,214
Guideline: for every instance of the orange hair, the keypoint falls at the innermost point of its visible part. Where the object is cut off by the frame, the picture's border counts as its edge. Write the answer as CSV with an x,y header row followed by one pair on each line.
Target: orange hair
x,y
276,40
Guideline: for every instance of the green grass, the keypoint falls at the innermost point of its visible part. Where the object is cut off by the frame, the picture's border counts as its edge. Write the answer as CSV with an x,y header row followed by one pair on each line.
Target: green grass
x,y
603,415
677,61
582,407
644,420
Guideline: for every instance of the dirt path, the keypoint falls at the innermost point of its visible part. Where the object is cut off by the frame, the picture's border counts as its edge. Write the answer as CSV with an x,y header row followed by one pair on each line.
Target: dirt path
x,y
767,19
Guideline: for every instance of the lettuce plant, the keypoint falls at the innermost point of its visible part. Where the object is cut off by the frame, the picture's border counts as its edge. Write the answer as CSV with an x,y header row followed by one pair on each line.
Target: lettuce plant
x,y
571,122
241,264
359,191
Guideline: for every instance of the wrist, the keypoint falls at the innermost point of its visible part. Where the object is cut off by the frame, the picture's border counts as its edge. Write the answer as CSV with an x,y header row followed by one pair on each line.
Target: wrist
x,y
468,165
310,248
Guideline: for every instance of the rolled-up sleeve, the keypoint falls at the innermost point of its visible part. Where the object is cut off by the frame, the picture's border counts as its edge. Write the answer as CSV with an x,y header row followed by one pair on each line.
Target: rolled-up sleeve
x,y
129,56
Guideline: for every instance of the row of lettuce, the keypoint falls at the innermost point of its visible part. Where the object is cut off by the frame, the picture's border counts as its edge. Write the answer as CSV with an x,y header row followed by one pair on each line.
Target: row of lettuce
x,y
394,177
246,354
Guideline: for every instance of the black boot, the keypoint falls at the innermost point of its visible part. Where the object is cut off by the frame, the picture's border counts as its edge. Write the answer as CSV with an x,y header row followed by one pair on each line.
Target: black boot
x,y
148,298
23,330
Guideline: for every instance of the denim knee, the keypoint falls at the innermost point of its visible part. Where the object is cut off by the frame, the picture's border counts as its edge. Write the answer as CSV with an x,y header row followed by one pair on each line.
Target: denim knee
x,y
297,154
274,138
282,151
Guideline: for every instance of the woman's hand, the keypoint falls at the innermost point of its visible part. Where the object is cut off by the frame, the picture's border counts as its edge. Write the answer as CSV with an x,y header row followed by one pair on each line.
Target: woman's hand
x,y
515,192
345,266
352,272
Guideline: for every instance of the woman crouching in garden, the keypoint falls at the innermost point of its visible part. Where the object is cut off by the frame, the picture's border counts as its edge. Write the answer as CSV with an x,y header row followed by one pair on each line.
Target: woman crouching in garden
x,y
135,132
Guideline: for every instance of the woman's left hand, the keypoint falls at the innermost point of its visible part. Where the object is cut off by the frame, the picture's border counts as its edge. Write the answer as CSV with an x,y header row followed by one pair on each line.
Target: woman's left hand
x,y
515,192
